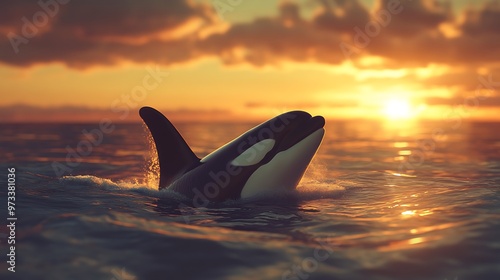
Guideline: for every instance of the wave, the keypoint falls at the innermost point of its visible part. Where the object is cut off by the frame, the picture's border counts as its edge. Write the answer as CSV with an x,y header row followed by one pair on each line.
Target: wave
x,y
307,190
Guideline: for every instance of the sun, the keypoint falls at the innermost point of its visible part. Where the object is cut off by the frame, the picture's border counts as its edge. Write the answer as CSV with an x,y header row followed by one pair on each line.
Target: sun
x,y
397,109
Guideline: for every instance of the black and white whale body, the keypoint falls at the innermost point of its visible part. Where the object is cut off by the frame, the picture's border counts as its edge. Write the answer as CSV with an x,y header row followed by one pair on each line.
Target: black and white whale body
x,y
271,157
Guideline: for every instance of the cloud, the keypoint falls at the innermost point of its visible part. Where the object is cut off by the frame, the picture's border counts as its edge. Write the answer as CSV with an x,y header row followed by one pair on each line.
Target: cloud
x,y
87,33
273,40
23,112
127,18
468,101
98,19
71,113
341,15
13,11
307,104
485,21
416,17
466,80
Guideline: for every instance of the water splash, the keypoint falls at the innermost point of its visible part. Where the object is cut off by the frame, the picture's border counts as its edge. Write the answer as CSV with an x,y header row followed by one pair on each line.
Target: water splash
x,y
316,170
152,168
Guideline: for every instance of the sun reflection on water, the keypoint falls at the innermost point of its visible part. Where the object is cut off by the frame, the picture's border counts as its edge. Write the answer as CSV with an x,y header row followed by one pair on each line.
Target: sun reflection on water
x,y
408,213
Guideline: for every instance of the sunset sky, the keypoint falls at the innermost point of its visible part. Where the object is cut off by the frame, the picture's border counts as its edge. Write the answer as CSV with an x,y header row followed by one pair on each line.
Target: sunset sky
x,y
249,59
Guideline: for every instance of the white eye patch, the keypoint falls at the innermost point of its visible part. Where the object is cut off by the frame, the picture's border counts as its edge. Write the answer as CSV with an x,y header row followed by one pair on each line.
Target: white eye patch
x,y
254,154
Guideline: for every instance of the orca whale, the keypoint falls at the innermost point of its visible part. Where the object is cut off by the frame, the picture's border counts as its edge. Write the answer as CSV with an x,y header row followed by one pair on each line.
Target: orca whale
x,y
271,157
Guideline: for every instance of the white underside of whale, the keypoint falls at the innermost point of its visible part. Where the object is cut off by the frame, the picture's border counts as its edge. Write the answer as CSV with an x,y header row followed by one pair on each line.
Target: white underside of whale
x,y
286,168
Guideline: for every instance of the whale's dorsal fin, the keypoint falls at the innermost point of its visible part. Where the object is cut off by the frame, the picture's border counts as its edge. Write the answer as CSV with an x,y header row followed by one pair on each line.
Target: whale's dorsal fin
x,y
174,154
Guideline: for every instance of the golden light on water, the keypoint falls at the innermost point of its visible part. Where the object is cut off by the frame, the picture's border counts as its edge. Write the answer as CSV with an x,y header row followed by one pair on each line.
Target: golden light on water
x,y
408,213
416,240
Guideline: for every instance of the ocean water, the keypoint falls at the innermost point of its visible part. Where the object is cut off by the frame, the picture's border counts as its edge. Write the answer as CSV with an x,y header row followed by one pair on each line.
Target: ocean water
x,y
381,200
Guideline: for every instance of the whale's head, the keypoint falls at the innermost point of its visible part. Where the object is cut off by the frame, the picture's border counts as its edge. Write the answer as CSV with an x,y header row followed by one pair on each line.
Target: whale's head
x,y
274,155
